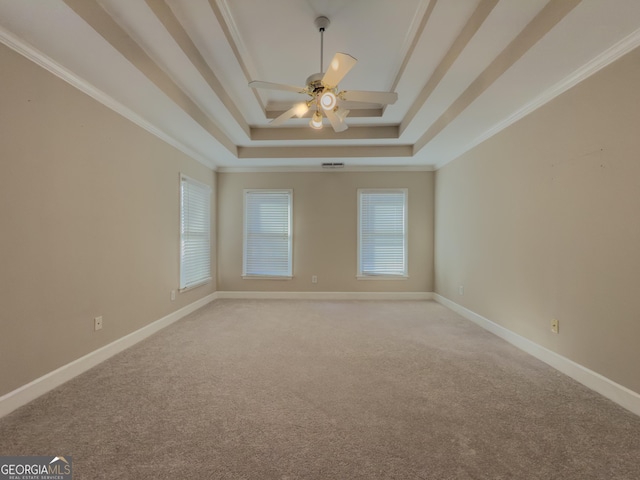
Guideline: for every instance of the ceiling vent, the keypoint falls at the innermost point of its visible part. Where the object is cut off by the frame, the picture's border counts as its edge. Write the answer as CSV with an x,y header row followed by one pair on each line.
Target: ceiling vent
x,y
333,165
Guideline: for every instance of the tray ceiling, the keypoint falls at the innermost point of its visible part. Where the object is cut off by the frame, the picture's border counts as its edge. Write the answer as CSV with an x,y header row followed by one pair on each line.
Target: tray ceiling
x,y
463,69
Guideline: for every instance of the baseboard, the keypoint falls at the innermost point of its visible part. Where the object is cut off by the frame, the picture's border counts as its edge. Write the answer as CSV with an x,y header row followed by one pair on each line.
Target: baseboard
x,y
326,295
23,395
607,388
617,393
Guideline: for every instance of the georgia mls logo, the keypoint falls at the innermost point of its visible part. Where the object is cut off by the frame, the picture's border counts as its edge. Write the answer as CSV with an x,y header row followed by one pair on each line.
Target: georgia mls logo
x,y
62,463
35,468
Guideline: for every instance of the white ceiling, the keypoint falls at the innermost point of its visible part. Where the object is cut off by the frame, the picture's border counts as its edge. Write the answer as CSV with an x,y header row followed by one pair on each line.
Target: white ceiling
x,y
463,69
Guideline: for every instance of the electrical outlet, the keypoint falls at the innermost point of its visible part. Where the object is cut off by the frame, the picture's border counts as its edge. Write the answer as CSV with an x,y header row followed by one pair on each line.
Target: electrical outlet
x,y
555,326
173,295
461,290
314,279
97,323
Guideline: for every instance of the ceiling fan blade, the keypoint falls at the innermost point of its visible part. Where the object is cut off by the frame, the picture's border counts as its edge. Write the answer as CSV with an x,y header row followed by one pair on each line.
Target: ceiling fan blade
x,y
383,98
279,120
277,86
338,68
337,124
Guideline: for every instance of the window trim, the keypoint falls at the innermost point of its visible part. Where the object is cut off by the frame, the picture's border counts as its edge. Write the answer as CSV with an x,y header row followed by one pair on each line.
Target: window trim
x,y
183,285
385,276
256,276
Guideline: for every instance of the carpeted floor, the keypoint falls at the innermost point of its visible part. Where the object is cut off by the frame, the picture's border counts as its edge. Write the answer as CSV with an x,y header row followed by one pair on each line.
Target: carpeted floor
x,y
327,390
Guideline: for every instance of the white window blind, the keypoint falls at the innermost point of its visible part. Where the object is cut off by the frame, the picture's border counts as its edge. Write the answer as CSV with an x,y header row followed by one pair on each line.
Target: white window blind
x,y
382,232
267,233
195,233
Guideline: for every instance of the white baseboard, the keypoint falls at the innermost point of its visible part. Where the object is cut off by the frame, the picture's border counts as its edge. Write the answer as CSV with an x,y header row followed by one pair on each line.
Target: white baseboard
x,y
326,295
23,395
617,393
607,388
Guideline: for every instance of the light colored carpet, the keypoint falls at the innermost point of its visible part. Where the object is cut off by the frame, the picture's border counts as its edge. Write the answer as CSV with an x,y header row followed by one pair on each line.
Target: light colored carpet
x,y
327,390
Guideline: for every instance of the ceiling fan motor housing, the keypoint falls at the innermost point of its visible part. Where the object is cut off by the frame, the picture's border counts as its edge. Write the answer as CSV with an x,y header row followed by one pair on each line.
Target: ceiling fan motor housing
x,y
314,83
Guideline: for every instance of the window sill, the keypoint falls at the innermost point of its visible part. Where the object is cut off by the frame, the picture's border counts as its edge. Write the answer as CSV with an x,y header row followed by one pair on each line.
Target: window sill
x,y
382,277
195,285
265,277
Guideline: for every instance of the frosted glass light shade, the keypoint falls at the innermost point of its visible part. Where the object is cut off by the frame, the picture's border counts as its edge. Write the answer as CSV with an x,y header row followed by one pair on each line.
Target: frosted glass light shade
x,y
316,121
301,109
328,100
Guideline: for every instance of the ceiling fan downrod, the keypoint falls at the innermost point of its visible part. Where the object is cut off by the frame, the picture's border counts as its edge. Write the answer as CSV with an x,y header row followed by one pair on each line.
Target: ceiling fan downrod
x,y
322,23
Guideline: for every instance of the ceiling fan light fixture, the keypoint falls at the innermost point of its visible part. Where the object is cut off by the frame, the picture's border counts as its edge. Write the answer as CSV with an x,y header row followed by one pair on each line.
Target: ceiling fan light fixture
x,y
316,121
328,100
301,109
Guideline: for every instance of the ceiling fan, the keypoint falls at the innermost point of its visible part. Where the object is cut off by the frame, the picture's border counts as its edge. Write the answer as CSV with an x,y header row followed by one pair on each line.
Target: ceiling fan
x,y
324,92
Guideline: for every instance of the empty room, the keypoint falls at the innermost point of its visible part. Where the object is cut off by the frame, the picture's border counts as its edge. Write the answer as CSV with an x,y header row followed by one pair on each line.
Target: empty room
x,y
320,239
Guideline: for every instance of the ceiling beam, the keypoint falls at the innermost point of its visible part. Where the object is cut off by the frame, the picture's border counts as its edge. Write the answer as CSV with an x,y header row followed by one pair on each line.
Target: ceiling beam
x,y
350,151
547,18
476,20
414,43
96,17
181,37
353,113
223,15
327,133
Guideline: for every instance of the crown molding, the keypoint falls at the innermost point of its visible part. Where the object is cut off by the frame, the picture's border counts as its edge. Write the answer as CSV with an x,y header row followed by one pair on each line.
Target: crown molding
x,y
240,51
28,51
607,57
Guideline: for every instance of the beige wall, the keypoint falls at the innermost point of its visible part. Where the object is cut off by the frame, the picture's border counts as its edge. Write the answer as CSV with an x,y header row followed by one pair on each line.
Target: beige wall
x,y
539,222
89,215
543,221
325,230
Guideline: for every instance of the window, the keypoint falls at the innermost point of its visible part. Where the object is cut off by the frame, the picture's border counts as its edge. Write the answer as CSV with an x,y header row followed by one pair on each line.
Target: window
x,y
382,233
267,233
195,233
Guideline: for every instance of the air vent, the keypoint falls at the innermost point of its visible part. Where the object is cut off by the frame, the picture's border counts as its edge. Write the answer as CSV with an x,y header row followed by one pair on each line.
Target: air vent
x,y
333,165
